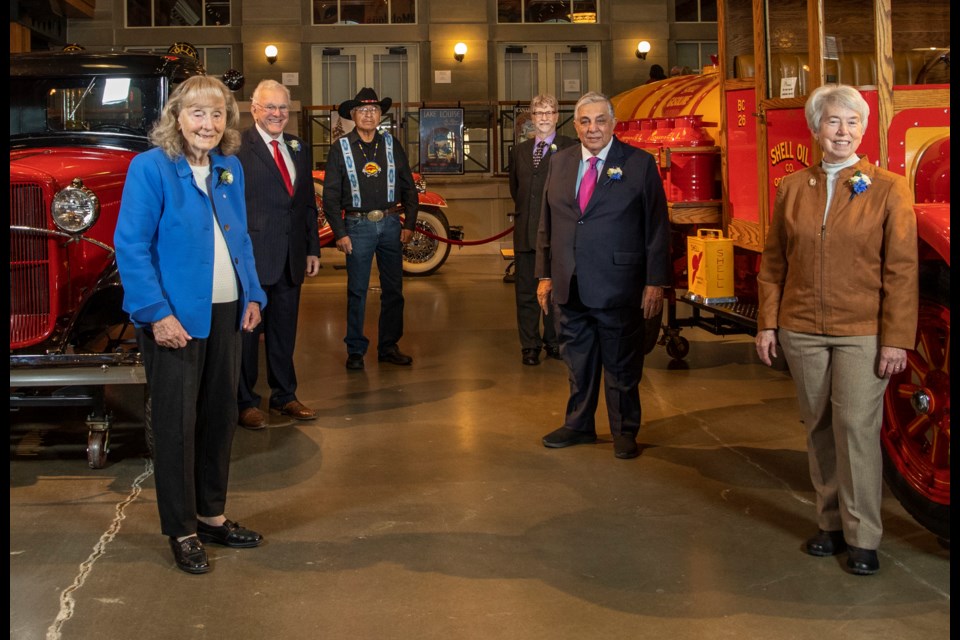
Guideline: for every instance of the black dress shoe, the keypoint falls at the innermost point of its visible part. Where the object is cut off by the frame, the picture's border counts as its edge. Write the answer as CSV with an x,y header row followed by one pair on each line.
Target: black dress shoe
x,y
862,562
190,555
229,534
355,361
625,446
552,352
567,437
531,357
826,543
394,356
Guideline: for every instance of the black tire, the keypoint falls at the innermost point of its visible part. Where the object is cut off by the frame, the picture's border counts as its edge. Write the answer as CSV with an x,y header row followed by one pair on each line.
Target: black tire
x,y
422,256
915,435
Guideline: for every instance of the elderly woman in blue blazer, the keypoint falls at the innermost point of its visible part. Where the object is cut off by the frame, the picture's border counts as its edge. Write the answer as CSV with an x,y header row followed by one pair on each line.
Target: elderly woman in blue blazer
x,y
190,287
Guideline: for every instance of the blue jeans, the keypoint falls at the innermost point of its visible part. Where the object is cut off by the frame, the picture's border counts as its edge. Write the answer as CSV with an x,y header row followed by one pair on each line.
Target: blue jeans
x,y
369,239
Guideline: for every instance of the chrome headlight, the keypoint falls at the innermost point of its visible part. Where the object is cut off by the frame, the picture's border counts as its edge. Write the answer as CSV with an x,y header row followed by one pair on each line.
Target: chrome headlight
x,y
75,208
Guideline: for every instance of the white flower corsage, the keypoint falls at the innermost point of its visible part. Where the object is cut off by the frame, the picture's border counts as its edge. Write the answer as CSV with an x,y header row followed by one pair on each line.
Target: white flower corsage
x,y
615,174
225,177
294,144
859,184
553,147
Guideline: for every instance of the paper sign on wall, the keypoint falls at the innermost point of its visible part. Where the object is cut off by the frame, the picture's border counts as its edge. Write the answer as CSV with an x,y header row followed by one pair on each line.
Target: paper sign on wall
x,y
788,87
441,77
290,79
571,85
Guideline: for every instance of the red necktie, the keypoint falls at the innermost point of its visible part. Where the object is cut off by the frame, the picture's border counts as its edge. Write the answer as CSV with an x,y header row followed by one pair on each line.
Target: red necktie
x,y
587,184
282,165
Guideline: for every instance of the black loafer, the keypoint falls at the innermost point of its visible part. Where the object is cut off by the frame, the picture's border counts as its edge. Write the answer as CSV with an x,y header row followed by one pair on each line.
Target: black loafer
x,y
395,357
826,543
190,555
355,362
531,357
862,562
552,352
625,446
567,437
229,534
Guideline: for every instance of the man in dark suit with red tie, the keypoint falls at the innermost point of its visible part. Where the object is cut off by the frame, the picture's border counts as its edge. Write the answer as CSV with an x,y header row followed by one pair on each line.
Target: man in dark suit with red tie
x,y
528,173
603,259
282,222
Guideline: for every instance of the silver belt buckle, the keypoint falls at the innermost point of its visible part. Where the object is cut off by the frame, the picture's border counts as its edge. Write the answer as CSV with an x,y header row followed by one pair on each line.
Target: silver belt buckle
x,y
376,215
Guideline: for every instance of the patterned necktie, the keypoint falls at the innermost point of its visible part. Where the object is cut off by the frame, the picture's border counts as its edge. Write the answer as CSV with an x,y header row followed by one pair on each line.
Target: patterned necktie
x,y
587,184
282,165
538,153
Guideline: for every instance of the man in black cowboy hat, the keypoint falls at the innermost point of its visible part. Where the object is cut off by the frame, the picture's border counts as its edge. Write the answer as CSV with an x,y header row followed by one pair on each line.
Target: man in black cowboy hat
x,y
368,178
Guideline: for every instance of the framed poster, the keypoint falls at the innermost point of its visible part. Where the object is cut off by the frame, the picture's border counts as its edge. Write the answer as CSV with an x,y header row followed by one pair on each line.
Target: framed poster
x,y
441,141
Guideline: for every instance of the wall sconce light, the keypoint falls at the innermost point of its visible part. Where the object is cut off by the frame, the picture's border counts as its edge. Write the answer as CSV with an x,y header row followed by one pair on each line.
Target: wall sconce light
x,y
459,50
643,48
271,52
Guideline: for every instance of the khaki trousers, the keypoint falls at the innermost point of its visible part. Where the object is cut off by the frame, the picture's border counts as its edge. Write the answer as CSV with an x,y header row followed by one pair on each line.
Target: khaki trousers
x,y
841,404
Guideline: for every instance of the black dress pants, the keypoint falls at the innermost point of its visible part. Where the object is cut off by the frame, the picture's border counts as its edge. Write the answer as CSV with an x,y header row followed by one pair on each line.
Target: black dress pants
x,y
193,394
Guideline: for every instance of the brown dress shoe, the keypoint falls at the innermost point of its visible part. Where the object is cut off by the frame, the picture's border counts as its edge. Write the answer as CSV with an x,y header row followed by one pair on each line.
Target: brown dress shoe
x,y
253,419
296,410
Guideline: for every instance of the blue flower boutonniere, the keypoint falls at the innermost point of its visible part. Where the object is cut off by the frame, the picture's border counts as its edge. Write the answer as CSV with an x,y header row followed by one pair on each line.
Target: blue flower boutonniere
x,y
294,144
614,174
858,184
225,177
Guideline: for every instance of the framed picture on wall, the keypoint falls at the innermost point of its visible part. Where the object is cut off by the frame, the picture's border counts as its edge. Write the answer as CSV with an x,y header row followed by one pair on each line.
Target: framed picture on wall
x,y
441,141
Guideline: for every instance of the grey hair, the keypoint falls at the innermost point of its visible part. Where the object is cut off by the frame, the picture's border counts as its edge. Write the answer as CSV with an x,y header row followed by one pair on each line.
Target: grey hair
x,y
592,97
840,95
269,85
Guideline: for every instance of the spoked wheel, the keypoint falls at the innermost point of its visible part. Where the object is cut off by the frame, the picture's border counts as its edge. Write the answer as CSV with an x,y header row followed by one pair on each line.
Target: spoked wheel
x,y
423,255
916,424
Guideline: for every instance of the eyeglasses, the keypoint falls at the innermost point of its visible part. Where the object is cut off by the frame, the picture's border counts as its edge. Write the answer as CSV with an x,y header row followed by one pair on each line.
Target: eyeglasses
x,y
367,110
270,108
542,114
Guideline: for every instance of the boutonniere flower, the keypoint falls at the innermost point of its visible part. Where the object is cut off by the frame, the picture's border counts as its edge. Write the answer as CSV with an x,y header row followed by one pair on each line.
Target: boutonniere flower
x,y
614,174
294,144
859,184
225,177
553,147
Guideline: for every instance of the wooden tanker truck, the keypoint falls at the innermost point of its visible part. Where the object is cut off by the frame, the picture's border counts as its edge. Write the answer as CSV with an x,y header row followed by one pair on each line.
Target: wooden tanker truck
x,y
726,137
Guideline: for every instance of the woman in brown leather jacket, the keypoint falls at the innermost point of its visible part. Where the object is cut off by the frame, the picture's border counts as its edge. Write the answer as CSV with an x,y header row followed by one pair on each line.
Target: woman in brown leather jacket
x,y
838,287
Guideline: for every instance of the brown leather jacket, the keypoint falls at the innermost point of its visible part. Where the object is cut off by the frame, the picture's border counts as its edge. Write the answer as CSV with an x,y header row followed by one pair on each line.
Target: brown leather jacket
x,y
856,276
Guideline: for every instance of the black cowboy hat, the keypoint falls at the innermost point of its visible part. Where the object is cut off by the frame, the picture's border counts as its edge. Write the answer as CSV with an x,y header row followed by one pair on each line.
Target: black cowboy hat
x,y
364,97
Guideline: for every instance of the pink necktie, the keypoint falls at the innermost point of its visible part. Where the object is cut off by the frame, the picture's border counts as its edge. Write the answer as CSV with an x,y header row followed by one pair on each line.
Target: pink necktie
x,y
282,165
587,184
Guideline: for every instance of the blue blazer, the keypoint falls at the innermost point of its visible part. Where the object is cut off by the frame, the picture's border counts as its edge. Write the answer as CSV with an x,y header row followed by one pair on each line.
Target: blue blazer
x,y
622,241
164,240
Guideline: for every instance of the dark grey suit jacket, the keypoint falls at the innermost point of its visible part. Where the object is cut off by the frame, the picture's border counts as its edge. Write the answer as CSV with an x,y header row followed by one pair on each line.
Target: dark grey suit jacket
x,y
622,242
283,228
526,188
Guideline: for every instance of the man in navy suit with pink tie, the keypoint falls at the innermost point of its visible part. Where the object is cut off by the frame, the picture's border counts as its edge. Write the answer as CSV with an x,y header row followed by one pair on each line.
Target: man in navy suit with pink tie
x,y
603,260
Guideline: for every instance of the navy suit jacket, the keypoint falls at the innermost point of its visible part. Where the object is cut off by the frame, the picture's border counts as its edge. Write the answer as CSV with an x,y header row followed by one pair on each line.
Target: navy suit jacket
x,y
622,241
283,228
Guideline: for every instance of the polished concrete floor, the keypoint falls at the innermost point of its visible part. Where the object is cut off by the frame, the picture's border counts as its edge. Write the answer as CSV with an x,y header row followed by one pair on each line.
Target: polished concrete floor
x,y
421,504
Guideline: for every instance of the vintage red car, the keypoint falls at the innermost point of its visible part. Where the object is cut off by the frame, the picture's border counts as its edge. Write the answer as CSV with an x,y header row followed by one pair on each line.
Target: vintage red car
x,y
76,121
